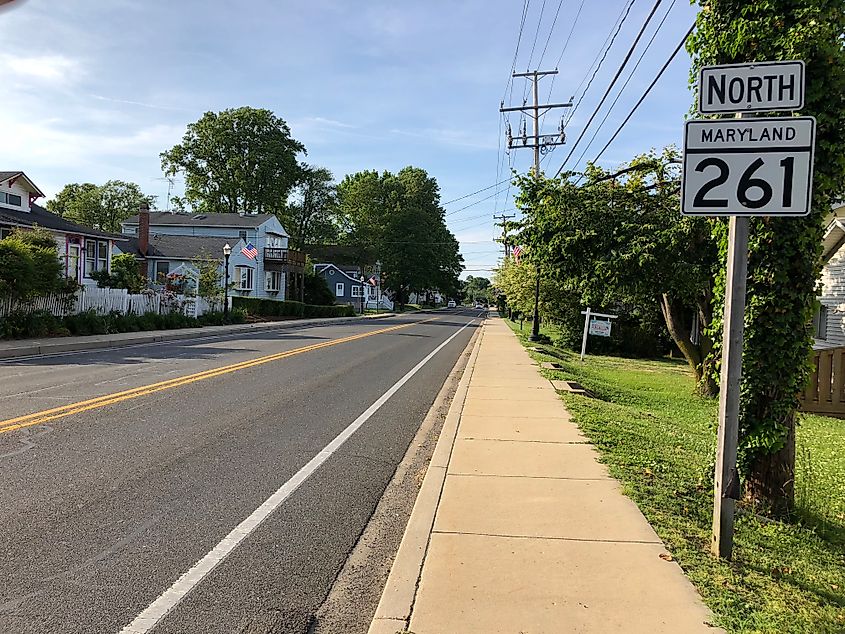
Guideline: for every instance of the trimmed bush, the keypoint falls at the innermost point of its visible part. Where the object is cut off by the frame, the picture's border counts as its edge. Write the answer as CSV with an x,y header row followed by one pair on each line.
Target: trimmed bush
x,y
275,308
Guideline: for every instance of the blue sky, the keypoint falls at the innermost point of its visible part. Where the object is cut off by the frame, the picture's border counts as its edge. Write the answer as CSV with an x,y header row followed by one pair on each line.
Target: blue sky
x,y
95,90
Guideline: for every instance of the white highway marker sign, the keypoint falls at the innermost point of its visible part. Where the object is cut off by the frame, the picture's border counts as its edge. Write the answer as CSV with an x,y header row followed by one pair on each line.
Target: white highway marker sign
x,y
759,87
748,167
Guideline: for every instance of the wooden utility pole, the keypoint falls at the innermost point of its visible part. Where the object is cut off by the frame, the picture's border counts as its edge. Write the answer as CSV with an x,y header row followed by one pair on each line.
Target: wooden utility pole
x,y
541,145
504,226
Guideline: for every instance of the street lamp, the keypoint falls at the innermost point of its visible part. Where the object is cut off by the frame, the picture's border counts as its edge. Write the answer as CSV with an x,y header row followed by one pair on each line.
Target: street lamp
x,y
535,326
363,301
227,251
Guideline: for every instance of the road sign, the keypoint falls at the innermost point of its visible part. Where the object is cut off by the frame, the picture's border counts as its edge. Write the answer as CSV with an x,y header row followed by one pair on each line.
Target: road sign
x,y
600,327
748,167
758,87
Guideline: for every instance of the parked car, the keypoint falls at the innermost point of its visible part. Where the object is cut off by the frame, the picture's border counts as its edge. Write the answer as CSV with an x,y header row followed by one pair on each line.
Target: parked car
x,y
451,304
479,306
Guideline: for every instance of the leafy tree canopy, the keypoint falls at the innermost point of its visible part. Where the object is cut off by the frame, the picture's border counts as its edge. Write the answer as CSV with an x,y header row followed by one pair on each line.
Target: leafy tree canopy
x,y
104,206
238,160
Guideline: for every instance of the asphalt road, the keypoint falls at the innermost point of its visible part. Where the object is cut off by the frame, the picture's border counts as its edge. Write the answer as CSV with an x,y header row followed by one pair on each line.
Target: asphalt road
x,y
105,506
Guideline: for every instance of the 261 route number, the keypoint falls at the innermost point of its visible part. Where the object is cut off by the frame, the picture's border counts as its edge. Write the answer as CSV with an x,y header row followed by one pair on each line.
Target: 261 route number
x,y
745,193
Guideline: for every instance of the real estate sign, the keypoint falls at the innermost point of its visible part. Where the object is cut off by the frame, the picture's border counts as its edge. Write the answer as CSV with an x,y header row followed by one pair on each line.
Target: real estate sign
x,y
600,327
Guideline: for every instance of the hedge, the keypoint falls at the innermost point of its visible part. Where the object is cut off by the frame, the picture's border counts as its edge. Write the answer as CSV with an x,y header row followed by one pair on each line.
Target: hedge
x,y
275,308
43,324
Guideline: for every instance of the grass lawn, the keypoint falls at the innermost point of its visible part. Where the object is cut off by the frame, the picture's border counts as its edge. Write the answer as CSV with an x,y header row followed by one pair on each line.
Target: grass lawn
x,y
658,439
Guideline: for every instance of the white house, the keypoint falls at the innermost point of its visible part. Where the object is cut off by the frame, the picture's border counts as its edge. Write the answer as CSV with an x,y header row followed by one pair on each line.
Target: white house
x,y
82,250
261,265
829,322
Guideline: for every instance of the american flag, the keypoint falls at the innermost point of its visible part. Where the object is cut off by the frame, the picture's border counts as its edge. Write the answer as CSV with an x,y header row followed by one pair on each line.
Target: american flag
x,y
250,251
372,281
517,252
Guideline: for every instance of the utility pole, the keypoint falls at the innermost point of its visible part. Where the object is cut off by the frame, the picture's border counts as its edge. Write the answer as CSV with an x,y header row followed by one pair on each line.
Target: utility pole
x,y
542,144
504,226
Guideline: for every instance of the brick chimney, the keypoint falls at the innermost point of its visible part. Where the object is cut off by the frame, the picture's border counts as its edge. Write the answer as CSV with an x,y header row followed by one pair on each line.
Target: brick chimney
x,y
144,229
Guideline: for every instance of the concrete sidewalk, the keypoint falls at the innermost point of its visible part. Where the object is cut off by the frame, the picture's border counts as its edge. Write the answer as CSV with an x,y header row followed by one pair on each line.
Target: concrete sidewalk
x,y
13,348
519,529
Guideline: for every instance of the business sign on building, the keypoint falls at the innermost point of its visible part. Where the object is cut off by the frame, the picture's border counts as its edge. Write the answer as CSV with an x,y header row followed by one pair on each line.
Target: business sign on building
x,y
758,87
748,167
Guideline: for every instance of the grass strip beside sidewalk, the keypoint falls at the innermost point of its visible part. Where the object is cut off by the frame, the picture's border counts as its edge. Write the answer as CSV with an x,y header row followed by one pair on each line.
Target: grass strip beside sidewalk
x,y
658,438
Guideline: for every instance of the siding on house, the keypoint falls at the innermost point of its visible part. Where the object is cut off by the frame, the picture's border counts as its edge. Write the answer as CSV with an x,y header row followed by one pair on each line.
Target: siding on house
x,y
833,298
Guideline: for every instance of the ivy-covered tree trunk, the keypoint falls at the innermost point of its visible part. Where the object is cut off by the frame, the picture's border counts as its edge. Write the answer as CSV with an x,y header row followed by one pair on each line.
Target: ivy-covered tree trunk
x,y
784,254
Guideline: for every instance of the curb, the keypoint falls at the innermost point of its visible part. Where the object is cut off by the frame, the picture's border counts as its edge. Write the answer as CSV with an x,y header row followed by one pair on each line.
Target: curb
x,y
397,600
54,346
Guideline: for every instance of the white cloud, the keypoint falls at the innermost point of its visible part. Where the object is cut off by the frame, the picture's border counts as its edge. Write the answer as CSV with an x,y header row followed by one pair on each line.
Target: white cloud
x,y
50,69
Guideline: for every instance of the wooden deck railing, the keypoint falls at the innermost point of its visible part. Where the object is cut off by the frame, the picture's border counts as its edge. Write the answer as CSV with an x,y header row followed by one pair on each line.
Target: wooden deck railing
x,y
825,391
284,256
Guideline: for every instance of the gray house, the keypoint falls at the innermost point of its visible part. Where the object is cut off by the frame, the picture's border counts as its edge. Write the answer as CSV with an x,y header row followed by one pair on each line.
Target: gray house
x,y
260,265
345,283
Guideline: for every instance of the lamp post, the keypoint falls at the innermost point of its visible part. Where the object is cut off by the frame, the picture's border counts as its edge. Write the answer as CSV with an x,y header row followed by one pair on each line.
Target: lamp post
x,y
227,251
378,285
363,301
535,327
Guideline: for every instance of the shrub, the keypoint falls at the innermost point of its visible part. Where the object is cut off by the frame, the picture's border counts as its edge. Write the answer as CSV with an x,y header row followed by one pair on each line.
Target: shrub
x,y
317,291
274,308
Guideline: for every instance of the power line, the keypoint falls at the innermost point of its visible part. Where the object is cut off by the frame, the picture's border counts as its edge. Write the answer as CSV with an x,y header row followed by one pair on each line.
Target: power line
x,y
612,83
480,200
478,191
625,85
647,90
536,34
609,41
560,57
551,30
516,51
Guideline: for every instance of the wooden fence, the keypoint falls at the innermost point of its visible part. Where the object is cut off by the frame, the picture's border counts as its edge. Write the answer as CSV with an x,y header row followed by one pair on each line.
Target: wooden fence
x,y
825,392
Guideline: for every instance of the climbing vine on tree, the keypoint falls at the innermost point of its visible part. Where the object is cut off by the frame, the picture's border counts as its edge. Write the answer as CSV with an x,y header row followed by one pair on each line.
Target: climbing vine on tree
x,y
784,253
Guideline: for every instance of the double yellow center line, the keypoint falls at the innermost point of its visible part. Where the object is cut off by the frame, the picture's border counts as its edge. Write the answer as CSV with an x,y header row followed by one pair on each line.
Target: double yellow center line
x,y
37,418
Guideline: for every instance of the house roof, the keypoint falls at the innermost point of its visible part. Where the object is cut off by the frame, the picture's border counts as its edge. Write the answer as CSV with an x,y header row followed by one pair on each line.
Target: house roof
x,y
319,268
834,238
179,247
165,218
31,187
43,218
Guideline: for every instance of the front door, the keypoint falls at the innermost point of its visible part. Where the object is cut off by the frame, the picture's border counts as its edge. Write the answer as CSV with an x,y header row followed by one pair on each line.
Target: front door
x,y
73,262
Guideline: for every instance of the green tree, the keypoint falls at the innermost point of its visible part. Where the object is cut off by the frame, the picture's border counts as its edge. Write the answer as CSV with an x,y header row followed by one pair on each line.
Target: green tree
x,y
311,215
784,253
238,160
398,219
30,267
476,288
125,273
104,206
620,243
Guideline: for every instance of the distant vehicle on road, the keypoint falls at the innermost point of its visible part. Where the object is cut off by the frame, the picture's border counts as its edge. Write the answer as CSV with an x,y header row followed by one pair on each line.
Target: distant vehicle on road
x,y
479,306
451,304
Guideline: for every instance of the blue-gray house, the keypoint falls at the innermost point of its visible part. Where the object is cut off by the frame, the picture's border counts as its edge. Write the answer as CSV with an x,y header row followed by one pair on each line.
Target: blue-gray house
x,y
261,264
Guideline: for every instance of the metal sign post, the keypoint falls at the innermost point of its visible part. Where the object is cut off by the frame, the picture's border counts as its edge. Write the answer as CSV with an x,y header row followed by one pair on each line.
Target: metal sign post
x,y
742,168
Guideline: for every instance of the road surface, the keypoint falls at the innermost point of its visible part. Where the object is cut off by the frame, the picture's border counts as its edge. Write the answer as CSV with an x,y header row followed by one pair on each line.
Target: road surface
x,y
150,488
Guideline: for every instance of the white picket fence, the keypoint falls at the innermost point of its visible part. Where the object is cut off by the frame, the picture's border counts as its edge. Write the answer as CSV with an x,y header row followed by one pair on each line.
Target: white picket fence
x,y
105,300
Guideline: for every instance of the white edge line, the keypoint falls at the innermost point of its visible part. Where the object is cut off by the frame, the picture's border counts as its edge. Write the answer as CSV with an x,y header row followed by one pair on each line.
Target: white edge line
x,y
171,597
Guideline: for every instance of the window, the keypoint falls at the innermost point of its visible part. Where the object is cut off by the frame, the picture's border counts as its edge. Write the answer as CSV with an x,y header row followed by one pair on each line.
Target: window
x,y
357,291
162,269
5,232
272,281
242,235
243,278
96,256
820,323
10,199
339,289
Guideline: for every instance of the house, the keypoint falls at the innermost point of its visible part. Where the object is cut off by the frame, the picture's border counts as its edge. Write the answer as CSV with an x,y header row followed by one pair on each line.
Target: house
x,y
82,250
829,322
345,282
260,265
